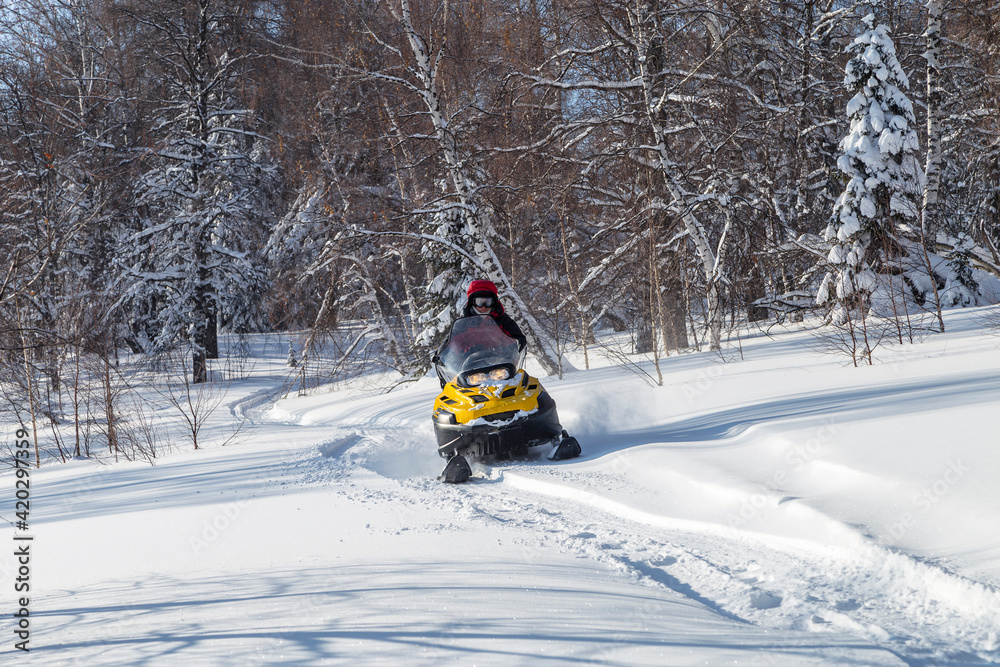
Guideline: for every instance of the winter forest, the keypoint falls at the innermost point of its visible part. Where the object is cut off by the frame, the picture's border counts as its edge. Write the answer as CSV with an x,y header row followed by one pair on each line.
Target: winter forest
x,y
172,173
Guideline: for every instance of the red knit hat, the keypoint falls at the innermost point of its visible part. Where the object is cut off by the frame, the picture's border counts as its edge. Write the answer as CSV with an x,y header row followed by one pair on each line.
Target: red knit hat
x,y
482,286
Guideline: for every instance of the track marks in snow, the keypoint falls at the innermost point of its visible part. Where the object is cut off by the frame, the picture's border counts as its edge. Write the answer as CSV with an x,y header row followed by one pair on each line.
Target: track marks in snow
x,y
927,615
917,610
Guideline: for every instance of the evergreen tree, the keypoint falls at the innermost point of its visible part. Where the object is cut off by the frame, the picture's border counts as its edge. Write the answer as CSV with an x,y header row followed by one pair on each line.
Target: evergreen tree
x,y
449,274
880,162
961,287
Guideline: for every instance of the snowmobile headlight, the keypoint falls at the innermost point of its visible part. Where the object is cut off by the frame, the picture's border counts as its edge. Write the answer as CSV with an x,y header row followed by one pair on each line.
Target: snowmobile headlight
x,y
475,379
499,374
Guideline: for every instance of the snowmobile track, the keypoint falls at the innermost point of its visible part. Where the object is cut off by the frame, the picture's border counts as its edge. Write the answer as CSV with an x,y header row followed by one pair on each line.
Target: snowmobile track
x,y
918,611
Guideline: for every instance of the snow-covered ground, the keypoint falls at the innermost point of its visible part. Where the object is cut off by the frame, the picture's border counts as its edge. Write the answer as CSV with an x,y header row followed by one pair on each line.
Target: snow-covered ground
x,y
769,506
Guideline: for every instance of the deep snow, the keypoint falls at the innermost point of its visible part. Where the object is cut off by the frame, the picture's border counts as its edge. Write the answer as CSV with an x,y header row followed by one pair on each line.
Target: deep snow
x,y
768,506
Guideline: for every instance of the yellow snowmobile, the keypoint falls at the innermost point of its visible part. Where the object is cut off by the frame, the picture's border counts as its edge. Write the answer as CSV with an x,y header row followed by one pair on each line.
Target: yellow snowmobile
x,y
489,407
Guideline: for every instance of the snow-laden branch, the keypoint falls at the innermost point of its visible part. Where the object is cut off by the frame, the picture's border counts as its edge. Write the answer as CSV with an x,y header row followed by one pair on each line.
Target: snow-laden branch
x,y
585,84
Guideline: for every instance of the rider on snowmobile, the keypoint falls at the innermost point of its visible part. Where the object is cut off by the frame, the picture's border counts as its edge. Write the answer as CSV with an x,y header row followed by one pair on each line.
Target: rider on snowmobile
x,y
483,299
489,407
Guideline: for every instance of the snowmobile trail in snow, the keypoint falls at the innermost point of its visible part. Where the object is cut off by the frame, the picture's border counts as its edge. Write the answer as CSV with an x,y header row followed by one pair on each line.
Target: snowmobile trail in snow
x,y
605,511
919,612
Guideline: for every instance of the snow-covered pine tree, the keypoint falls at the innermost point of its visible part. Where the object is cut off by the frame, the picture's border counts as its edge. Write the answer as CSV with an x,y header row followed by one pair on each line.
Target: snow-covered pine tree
x,y
884,175
961,287
296,241
449,273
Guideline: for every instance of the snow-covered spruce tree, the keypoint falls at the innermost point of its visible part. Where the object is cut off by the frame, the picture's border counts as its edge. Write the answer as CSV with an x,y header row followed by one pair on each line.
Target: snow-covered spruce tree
x,y
202,178
884,175
296,241
449,273
961,287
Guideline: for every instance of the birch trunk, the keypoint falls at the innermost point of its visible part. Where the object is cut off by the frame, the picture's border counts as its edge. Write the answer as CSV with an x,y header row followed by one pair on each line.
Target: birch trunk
x,y
929,213
697,232
934,96
544,348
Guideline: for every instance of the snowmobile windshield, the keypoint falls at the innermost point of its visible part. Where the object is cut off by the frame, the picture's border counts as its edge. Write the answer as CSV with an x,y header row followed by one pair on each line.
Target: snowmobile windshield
x,y
479,352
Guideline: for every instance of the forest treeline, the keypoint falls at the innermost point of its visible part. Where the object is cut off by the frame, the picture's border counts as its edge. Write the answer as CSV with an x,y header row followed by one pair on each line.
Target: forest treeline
x,y
173,170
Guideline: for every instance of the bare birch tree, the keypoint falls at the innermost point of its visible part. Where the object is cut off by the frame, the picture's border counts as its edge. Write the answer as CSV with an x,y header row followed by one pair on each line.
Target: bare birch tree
x,y
418,60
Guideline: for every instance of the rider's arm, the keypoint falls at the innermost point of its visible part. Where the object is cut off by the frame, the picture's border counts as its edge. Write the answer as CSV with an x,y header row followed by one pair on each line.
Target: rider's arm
x,y
509,327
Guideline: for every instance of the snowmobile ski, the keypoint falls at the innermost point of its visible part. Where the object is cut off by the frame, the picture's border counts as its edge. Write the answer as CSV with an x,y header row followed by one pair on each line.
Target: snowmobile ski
x,y
568,448
457,471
